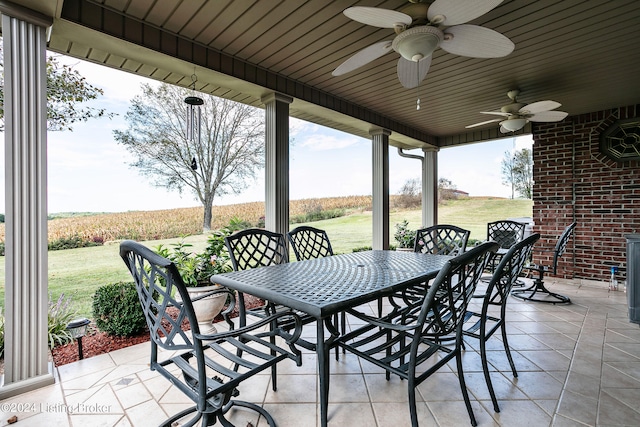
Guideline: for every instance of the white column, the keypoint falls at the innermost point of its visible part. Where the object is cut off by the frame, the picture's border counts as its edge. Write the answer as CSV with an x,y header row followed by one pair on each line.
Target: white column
x,y
380,191
277,162
25,107
430,187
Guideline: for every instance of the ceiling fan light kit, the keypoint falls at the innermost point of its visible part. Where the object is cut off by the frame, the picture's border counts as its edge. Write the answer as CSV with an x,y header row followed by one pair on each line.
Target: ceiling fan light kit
x,y
514,124
417,43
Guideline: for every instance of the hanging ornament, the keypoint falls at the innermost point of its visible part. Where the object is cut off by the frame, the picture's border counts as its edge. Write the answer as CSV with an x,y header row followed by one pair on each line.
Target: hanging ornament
x,y
194,115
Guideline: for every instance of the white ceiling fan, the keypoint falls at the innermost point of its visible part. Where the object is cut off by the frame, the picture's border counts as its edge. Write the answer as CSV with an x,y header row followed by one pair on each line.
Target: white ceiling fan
x,y
518,114
422,28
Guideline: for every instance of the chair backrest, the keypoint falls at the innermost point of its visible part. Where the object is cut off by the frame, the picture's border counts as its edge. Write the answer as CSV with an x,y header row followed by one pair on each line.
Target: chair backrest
x,y
508,270
255,247
506,233
441,240
159,287
561,245
443,309
309,242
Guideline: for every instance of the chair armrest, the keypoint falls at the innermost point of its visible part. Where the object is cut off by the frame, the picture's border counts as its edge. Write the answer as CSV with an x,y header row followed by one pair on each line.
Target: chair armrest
x,y
291,338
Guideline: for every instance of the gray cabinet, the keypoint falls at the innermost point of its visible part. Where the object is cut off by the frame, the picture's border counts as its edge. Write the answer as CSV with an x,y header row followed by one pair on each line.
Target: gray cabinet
x,y
633,276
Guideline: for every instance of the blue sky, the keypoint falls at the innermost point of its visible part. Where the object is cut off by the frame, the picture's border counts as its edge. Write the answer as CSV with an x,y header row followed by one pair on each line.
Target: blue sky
x,y
90,172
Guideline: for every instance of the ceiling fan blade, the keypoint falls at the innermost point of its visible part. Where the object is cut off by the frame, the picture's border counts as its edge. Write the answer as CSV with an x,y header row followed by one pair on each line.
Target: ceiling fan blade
x,y
538,107
459,11
483,123
548,116
363,57
377,17
411,73
476,42
496,113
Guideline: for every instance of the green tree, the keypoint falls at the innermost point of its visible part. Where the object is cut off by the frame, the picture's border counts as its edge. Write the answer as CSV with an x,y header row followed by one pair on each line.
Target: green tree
x,y
517,171
229,152
67,89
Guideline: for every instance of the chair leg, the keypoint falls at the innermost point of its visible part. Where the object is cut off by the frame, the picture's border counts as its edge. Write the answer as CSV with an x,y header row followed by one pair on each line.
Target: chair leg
x,y
507,350
538,287
252,406
463,386
487,377
413,410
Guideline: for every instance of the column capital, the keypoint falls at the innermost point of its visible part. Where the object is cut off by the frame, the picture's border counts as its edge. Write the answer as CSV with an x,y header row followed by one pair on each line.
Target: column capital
x,y
379,131
275,96
430,149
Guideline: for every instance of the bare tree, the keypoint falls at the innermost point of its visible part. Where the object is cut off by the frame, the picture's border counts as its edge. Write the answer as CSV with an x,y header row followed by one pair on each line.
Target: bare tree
x,y
228,153
446,189
410,194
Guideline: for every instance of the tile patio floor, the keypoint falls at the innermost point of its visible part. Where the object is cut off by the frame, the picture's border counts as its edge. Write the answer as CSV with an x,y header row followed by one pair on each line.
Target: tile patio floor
x,y
578,364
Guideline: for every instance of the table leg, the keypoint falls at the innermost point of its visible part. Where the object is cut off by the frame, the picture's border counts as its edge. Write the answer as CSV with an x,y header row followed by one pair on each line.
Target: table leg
x,y
322,350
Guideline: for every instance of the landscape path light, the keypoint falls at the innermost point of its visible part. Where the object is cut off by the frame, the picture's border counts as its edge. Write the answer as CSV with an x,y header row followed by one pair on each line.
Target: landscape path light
x,y
78,329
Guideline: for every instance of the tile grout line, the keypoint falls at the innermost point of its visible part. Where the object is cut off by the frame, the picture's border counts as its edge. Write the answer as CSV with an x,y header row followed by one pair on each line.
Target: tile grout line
x,y
573,358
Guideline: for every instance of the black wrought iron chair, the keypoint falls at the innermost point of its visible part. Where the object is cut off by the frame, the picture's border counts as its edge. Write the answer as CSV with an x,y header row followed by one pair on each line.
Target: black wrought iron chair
x,y
256,247
441,240
207,368
506,233
538,291
491,316
436,240
309,242
253,248
406,341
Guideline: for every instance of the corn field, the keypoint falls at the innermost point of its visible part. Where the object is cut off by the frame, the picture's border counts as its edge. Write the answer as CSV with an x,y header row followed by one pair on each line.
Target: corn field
x,y
166,224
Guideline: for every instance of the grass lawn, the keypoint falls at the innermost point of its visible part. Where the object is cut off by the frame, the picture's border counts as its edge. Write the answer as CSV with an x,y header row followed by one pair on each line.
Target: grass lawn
x,y
79,272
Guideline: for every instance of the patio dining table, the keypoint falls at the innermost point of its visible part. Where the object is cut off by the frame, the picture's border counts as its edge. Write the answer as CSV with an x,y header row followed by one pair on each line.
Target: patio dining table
x,y
323,287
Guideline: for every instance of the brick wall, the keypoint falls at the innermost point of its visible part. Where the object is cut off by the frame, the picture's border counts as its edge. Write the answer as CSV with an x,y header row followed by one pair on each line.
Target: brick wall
x,y
575,181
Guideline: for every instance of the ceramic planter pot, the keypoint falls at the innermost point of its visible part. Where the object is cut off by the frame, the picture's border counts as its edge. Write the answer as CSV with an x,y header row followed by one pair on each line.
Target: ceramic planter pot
x,y
207,308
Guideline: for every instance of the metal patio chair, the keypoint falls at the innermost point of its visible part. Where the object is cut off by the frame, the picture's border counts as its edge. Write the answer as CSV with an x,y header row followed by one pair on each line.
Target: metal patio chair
x,y
406,341
506,233
441,240
538,292
484,323
309,242
205,367
437,240
253,248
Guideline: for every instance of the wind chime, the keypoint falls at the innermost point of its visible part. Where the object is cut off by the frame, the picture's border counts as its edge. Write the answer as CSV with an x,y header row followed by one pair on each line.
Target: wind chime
x,y
194,117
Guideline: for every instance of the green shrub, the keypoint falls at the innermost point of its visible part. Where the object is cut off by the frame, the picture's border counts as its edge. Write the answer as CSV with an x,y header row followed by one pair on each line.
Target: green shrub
x,y
117,309
318,216
60,313
2,248
72,243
